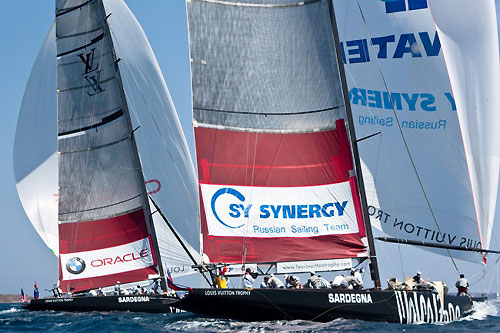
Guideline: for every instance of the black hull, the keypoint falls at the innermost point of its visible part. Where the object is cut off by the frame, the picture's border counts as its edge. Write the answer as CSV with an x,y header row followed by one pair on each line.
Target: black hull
x,y
133,303
325,305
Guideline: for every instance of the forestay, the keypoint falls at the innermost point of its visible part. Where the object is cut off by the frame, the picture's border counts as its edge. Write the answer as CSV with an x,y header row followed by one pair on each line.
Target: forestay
x,y
396,73
274,159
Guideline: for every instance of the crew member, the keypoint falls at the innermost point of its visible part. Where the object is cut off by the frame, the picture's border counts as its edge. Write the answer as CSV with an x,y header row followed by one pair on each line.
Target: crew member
x,y
222,280
36,293
418,278
156,287
274,282
337,281
248,280
312,279
264,283
462,286
349,282
359,278
100,293
321,283
292,282
118,290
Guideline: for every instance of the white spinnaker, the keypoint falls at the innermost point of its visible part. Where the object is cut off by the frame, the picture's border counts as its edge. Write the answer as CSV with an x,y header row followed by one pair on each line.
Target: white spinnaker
x,y
35,147
161,143
166,162
469,38
404,61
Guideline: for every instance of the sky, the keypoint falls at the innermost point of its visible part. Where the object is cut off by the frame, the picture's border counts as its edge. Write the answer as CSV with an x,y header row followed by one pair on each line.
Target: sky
x,y
24,258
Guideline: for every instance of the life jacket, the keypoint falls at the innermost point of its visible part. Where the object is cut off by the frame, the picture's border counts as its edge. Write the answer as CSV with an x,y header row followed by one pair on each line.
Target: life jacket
x,y
221,282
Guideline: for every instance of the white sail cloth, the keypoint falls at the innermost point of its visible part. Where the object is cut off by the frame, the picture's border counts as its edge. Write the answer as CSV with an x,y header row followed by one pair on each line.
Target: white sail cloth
x,y
469,39
396,73
35,147
166,162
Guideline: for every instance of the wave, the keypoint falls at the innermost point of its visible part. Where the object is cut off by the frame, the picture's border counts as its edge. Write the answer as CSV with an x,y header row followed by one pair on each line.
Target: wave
x,y
481,310
11,310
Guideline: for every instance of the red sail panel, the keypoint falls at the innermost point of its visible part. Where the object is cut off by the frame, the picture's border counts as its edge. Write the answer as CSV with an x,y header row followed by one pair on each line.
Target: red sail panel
x,y
268,197
101,253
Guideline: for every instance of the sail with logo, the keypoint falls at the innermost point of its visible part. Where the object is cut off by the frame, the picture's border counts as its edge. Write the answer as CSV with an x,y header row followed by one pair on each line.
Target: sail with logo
x,y
278,166
275,167
403,102
112,188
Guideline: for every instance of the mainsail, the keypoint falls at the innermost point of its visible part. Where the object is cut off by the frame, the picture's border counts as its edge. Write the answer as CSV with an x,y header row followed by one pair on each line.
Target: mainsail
x,y
416,174
275,166
105,229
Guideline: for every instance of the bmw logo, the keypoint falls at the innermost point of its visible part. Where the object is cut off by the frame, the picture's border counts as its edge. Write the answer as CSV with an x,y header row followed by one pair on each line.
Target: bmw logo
x,y
75,265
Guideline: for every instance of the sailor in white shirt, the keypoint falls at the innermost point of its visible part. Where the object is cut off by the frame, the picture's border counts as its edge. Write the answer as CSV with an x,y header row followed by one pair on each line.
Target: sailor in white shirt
x,y
311,281
337,281
248,280
359,278
274,282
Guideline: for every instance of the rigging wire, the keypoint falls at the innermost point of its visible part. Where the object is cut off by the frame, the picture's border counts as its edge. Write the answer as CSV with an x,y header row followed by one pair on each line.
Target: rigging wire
x,y
407,148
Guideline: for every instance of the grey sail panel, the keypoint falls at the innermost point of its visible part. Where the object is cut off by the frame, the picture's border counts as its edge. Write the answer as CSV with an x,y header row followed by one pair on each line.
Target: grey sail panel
x,y
99,176
264,65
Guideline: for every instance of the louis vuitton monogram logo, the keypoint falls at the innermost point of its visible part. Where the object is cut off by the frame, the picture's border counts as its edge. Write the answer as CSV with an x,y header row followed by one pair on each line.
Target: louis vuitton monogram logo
x,y
92,74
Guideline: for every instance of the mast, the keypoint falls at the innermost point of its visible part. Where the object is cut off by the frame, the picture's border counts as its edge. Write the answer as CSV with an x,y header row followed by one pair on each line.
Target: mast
x,y
374,272
147,211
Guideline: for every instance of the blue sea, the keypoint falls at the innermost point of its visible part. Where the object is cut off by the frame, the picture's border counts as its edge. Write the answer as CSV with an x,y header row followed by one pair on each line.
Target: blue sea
x,y
14,319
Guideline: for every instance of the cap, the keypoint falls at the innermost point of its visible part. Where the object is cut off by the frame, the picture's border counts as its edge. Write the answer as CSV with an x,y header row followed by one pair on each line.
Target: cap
x,y
286,276
419,273
312,272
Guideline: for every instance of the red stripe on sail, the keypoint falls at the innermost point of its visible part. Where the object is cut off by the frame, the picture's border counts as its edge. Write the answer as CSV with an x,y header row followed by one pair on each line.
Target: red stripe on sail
x,y
273,159
106,280
277,160
99,234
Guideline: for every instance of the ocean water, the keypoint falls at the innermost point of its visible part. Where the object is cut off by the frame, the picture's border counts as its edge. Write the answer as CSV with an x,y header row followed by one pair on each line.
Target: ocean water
x,y
486,318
